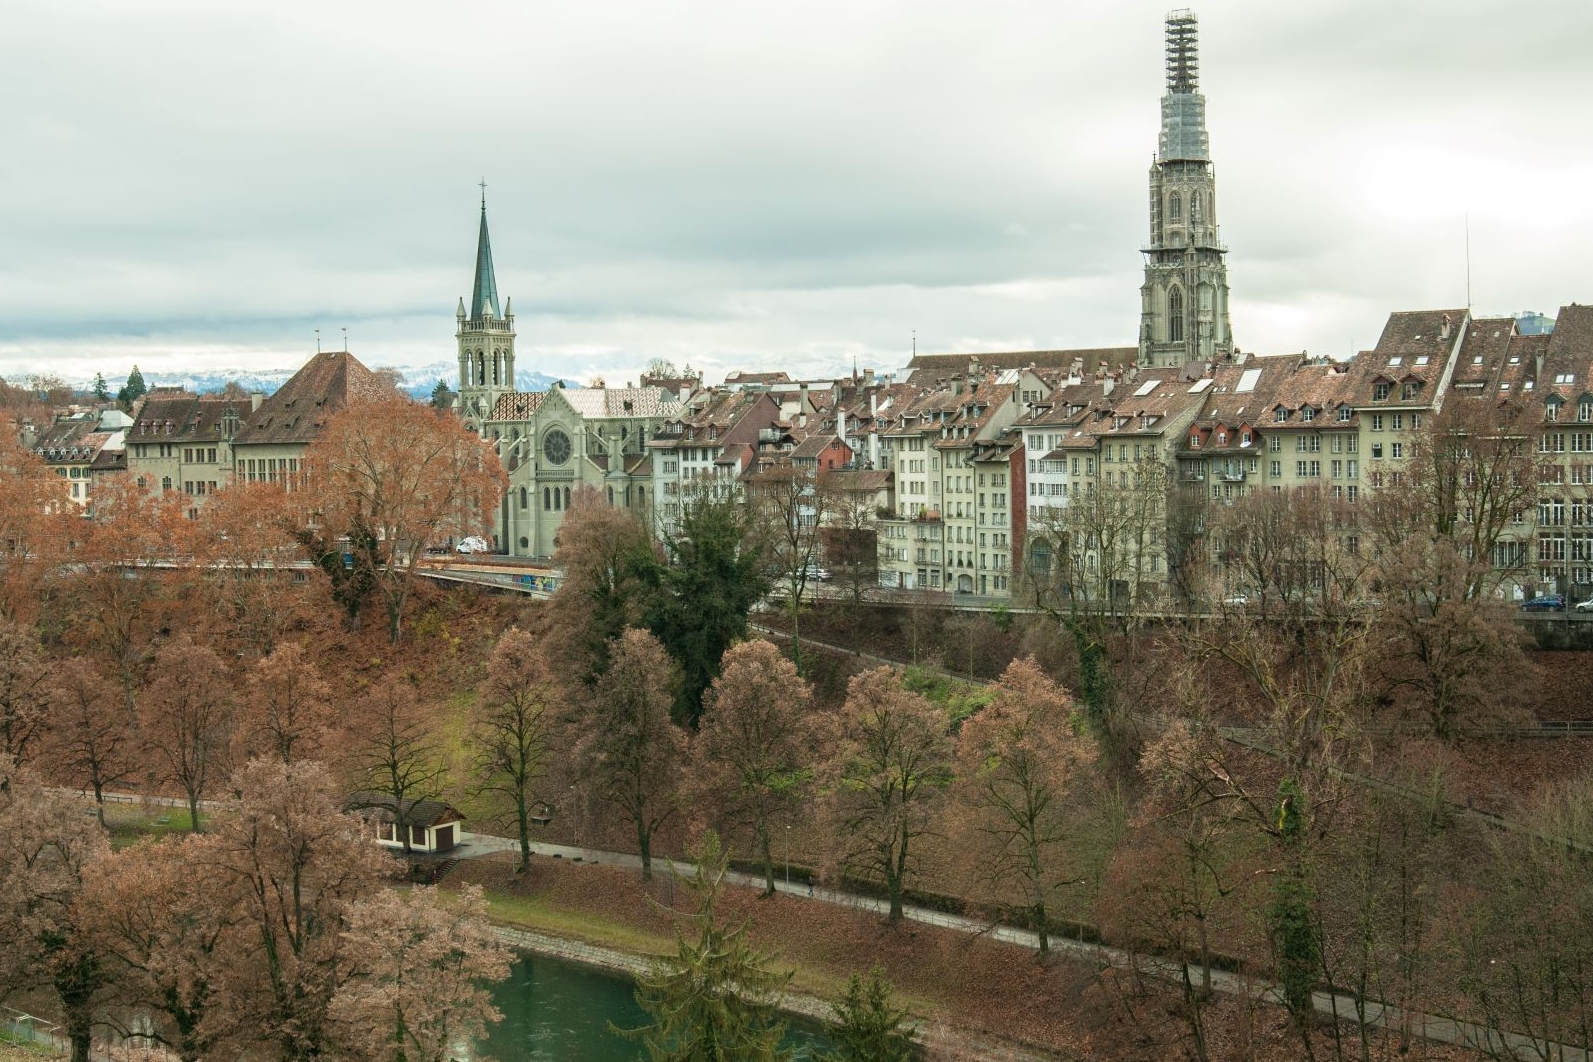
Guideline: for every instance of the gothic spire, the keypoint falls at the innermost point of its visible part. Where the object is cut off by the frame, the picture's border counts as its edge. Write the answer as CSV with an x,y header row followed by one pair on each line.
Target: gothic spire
x,y
484,297
1183,107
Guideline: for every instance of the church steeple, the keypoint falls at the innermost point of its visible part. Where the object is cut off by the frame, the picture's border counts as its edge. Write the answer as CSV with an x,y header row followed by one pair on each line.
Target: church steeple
x,y
484,297
1184,300
486,338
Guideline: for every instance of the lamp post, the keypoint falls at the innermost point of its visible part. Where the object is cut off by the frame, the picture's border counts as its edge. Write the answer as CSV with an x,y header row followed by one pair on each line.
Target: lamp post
x,y
788,856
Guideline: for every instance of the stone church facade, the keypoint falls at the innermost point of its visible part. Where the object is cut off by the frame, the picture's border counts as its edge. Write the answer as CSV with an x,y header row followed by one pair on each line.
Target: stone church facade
x,y
552,443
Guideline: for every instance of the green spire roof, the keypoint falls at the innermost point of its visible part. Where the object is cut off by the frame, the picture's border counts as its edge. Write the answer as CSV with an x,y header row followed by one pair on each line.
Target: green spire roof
x,y
485,294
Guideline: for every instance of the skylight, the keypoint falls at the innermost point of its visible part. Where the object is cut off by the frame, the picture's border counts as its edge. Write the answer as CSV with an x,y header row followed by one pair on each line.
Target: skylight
x,y
1397,359
1248,380
1146,388
1199,386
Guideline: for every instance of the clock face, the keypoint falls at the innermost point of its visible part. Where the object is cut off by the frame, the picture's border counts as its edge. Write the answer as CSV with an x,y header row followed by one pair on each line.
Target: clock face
x,y
556,447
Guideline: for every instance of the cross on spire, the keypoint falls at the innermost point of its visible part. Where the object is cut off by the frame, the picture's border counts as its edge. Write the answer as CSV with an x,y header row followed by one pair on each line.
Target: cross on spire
x,y
483,195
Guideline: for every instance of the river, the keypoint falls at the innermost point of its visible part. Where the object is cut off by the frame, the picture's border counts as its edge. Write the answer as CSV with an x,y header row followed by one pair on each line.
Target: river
x,y
557,1011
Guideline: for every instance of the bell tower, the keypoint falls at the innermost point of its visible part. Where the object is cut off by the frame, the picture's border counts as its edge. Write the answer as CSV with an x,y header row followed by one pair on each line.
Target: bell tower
x,y
486,337
1184,300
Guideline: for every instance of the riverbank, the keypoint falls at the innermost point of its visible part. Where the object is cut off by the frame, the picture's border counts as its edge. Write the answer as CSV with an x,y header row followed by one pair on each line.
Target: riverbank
x,y
972,996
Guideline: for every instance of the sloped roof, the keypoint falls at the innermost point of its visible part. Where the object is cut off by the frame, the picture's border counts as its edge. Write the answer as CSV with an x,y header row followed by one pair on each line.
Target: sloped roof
x,y
381,806
928,369
600,402
182,417
300,408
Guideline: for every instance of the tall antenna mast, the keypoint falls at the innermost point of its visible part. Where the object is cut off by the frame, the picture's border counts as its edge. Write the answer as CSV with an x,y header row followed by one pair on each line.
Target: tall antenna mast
x,y
1468,262
318,341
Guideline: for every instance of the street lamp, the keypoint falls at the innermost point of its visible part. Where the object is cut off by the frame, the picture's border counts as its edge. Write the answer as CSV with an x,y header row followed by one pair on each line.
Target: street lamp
x,y
788,856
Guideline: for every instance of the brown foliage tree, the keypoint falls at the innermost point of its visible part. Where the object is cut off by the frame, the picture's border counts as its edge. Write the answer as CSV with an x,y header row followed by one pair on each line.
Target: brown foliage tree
x,y
46,847
893,761
288,711
512,727
158,918
415,984
787,504
115,596
396,475
628,750
288,865
242,537
1018,758
186,719
35,525
90,742
24,691
609,560
756,743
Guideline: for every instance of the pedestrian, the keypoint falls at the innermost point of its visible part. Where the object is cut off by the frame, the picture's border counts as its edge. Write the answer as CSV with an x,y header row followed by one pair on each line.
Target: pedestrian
x,y
810,888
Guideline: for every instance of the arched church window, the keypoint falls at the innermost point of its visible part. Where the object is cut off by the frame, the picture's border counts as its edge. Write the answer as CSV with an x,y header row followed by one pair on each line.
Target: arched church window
x,y
611,497
547,501
1175,207
524,499
566,497
481,369
556,505
1175,315
1194,208
497,367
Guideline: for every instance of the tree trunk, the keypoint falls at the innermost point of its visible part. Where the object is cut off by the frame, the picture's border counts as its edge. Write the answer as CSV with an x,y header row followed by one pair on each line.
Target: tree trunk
x,y
644,846
768,859
193,811
525,834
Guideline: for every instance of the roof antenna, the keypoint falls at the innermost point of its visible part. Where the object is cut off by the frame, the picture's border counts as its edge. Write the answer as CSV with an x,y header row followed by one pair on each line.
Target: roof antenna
x,y
915,342
318,341
1468,263
345,339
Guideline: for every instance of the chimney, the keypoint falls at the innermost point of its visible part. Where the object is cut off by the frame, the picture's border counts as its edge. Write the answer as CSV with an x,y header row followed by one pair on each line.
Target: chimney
x,y
255,398
868,377
1445,328
956,385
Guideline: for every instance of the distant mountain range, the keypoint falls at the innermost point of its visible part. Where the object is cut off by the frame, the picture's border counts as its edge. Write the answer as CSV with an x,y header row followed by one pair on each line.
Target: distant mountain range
x,y
418,381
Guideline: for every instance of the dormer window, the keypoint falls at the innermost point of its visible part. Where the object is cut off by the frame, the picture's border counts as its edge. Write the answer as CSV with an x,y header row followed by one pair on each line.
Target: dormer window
x,y
1407,393
1244,440
1280,415
1194,440
1307,414
1551,410
1345,413
1222,438
1380,391
1584,410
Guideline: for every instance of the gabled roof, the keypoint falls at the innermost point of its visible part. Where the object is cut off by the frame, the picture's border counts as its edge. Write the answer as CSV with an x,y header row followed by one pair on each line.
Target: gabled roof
x,y
300,408
181,417
381,806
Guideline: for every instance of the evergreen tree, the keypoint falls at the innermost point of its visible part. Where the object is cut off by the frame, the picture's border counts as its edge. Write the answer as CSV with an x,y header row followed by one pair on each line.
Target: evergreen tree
x,y
102,390
441,396
866,1028
716,574
134,389
713,1000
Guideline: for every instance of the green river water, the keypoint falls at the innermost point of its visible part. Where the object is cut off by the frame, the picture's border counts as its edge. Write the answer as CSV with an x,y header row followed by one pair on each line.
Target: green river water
x,y
560,1012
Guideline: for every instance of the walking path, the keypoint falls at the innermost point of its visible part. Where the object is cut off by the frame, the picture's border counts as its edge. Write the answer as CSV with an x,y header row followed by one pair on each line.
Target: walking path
x,y
1332,1005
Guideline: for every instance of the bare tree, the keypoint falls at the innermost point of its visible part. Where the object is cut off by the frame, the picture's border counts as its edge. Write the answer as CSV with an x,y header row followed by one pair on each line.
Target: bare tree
x,y
397,754
893,761
24,691
756,744
513,727
789,504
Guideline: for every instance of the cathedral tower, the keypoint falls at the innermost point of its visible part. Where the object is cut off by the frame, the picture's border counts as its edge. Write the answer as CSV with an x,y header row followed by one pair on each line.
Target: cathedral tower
x,y
1184,300
486,339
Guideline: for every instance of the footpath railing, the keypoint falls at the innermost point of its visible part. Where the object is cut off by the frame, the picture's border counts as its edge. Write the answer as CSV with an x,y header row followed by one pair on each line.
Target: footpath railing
x,y
19,1028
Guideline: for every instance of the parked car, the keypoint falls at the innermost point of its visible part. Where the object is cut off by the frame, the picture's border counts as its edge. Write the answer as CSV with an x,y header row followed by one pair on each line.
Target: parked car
x,y
473,544
1547,603
818,574
1585,606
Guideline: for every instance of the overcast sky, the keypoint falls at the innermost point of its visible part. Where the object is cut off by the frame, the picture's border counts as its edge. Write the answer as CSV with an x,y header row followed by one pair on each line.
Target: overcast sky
x,y
193,183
